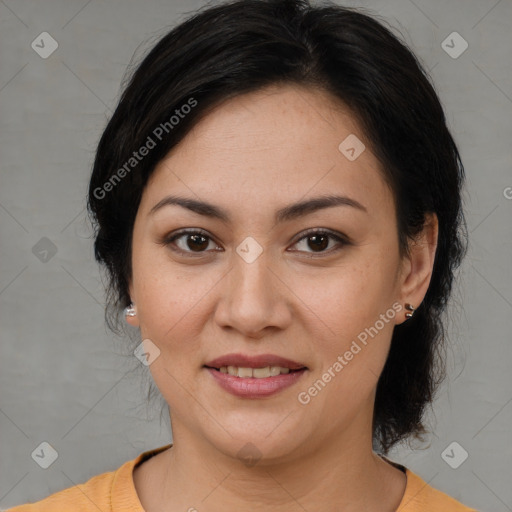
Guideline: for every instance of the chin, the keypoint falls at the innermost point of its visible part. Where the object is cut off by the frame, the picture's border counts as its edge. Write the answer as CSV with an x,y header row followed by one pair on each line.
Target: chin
x,y
253,446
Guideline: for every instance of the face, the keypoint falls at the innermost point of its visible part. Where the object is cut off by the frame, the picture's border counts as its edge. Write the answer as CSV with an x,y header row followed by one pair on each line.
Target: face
x,y
318,286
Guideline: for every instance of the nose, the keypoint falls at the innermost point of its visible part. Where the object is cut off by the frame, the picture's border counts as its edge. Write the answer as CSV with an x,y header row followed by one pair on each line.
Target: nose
x,y
253,298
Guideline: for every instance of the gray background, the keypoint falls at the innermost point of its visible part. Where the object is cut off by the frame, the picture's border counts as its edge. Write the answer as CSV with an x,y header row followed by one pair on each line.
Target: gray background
x,y
68,381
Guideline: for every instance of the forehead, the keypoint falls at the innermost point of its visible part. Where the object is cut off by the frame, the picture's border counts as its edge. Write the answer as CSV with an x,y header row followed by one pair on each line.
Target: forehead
x,y
275,145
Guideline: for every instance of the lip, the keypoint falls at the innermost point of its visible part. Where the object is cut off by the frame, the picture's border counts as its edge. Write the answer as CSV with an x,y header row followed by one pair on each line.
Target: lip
x,y
259,361
251,387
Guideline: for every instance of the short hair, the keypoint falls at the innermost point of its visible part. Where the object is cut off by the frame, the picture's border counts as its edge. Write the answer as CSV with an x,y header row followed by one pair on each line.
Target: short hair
x,y
241,46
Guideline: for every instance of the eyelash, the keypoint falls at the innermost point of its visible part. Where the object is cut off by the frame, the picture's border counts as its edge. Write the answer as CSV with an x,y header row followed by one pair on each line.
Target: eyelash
x,y
169,241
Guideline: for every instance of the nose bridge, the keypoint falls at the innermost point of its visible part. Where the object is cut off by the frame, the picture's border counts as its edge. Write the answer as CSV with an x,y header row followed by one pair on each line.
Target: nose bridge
x,y
250,281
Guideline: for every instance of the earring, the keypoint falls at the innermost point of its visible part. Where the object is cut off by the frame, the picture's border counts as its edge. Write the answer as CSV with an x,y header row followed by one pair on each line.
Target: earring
x,y
410,308
130,310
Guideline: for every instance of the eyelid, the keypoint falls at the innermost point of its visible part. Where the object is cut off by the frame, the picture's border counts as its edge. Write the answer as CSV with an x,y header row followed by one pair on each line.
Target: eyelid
x,y
323,231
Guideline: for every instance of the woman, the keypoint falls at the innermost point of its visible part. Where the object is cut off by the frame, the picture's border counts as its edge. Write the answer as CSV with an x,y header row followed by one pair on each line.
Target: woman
x,y
278,206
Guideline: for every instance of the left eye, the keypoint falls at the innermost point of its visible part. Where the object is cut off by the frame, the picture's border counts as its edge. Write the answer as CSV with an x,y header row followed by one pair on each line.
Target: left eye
x,y
319,240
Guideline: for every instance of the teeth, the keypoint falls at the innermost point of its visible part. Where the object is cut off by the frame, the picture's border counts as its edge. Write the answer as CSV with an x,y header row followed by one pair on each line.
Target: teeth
x,y
243,372
258,373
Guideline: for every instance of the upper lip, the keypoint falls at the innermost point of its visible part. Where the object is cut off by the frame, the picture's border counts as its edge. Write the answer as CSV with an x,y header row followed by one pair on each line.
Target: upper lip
x,y
259,361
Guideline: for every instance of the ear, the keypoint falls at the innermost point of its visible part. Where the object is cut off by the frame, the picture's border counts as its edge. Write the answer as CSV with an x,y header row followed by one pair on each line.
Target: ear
x,y
418,266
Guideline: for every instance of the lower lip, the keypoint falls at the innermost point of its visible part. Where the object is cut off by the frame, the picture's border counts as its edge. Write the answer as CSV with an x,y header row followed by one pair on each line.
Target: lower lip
x,y
250,387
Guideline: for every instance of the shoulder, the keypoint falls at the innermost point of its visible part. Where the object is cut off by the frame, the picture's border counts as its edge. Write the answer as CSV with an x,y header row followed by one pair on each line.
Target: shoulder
x,y
108,491
419,496
91,495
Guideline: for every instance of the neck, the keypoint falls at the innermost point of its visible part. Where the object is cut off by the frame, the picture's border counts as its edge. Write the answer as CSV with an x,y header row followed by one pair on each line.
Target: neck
x,y
339,473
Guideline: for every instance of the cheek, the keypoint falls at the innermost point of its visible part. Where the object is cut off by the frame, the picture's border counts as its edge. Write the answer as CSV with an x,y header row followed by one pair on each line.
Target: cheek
x,y
166,296
169,305
349,297
354,320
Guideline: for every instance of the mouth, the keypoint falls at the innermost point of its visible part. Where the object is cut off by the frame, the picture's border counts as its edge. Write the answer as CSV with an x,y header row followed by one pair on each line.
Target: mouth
x,y
252,377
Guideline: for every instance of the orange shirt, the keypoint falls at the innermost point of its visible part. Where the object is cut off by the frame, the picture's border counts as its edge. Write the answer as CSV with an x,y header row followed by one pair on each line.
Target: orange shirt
x,y
115,492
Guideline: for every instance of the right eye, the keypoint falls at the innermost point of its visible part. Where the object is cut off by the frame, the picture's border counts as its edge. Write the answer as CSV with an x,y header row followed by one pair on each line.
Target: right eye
x,y
187,241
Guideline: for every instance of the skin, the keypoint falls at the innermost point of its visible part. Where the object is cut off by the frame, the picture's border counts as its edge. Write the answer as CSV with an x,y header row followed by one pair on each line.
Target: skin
x,y
252,156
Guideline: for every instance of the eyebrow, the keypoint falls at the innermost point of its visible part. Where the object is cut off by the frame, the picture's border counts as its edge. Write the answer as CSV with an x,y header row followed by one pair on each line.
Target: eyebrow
x,y
288,213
